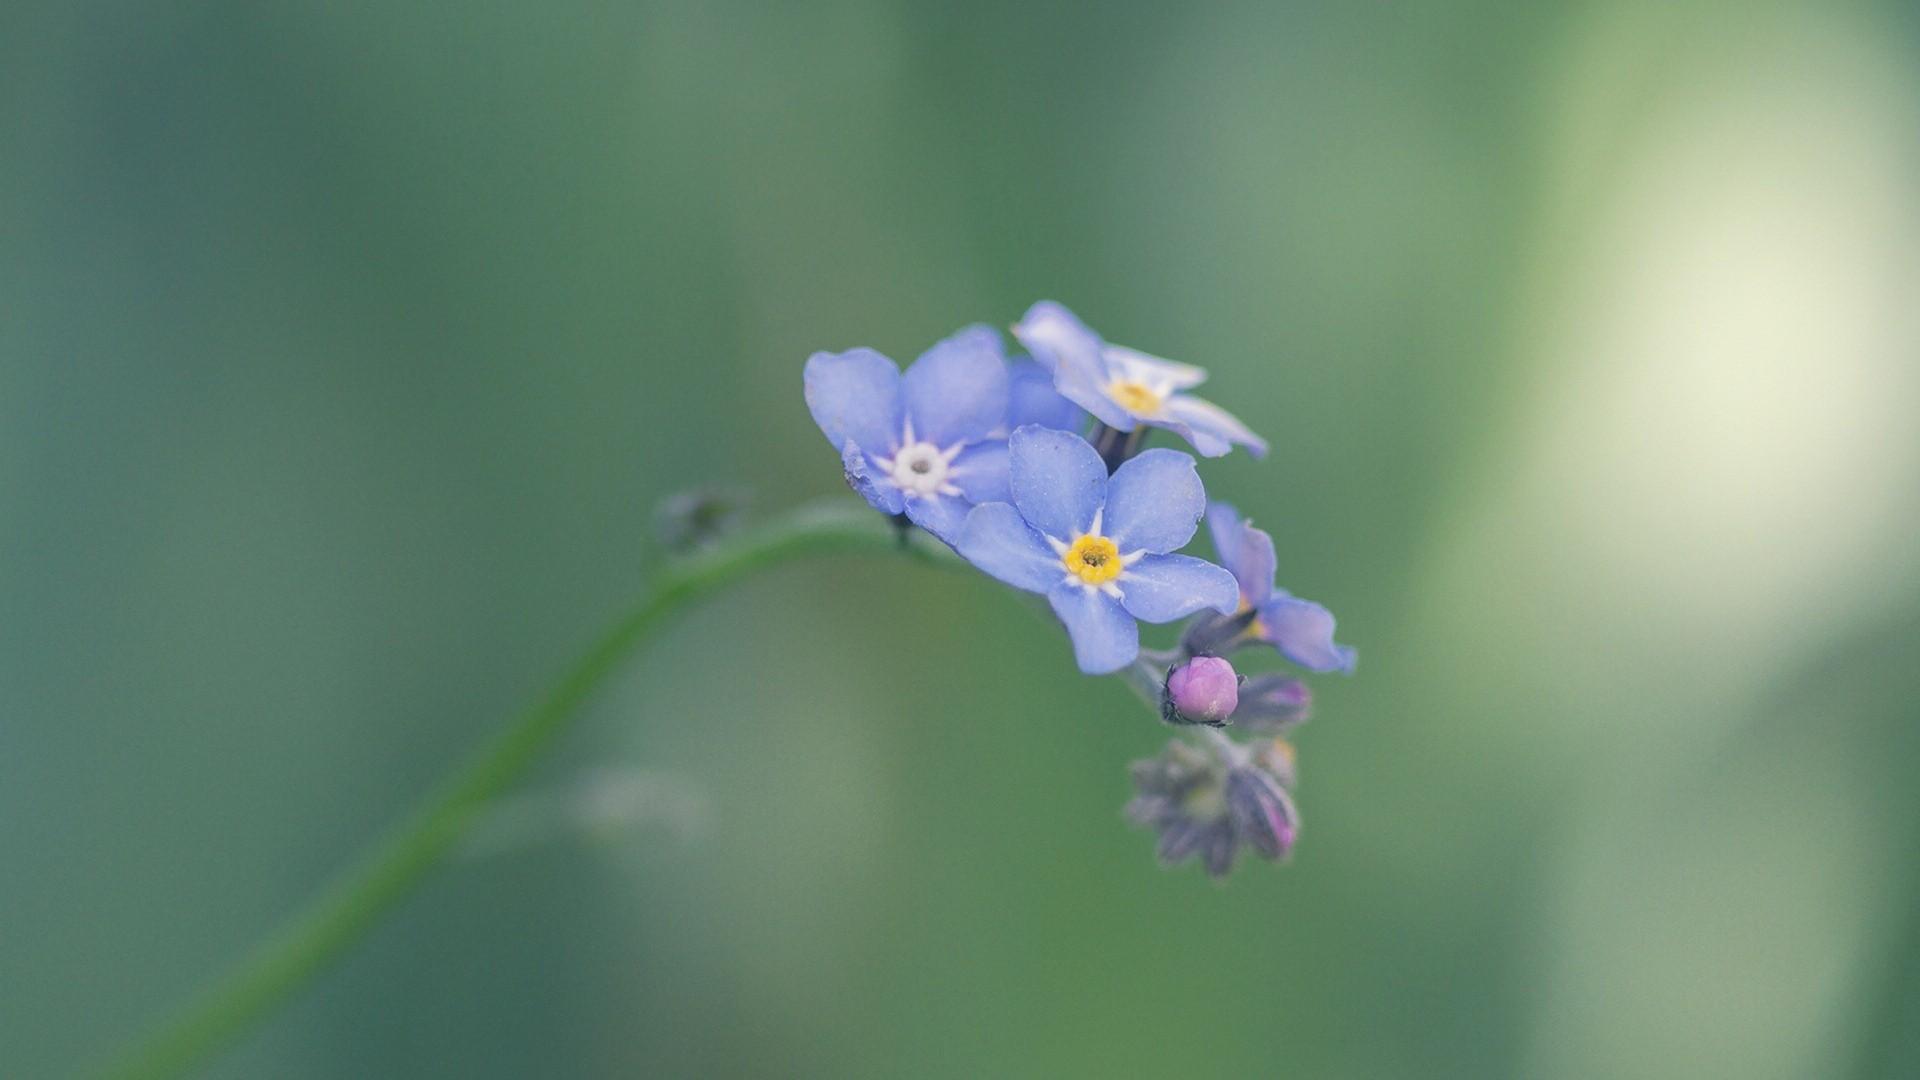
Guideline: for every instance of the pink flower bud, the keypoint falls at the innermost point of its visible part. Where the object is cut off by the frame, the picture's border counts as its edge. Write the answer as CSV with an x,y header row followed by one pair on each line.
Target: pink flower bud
x,y
1204,690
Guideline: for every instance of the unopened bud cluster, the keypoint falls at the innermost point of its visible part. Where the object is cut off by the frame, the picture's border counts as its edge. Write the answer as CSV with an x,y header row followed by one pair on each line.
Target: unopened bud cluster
x,y
1210,799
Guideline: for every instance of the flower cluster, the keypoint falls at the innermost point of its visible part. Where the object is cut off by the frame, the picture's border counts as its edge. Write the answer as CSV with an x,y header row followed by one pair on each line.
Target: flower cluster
x,y
1034,470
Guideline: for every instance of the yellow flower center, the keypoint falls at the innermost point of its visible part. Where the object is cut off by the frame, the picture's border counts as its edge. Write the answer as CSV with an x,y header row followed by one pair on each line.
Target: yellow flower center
x,y
1257,627
1135,397
1094,560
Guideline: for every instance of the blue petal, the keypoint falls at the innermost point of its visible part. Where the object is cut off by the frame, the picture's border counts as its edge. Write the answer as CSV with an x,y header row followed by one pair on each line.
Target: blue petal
x,y
856,395
1212,430
1105,637
1161,374
957,391
880,495
1064,346
997,540
1154,502
1061,342
1031,399
980,472
942,515
1223,528
1261,811
1059,482
1245,551
1162,588
1303,632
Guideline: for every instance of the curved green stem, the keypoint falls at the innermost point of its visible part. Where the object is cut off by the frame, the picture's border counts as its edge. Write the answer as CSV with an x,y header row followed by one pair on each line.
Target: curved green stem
x,y
397,864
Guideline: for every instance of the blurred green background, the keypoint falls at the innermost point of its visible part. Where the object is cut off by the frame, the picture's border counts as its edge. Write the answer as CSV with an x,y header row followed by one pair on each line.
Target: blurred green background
x,y
345,349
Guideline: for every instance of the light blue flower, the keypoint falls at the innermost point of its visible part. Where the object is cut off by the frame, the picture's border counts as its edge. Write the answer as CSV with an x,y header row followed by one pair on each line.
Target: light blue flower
x,y
926,443
1301,629
1098,547
1123,388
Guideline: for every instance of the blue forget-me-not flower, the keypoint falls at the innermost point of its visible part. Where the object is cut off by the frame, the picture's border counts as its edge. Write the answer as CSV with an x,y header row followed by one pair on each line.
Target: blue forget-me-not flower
x,y
1033,472
1301,629
1099,548
930,443
1124,388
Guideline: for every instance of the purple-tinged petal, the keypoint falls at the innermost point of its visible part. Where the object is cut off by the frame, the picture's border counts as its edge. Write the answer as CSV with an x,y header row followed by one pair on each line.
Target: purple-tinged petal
x,y
1059,482
1213,431
1181,838
1162,588
1063,345
1154,502
997,540
1303,632
855,395
980,472
1272,703
1223,846
1245,551
880,494
1031,399
1261,811
1105,637
957,390
942,515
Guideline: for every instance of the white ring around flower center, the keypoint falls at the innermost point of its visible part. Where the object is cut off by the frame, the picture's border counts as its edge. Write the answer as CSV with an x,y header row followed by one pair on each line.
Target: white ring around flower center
x,y
922,469
1094,574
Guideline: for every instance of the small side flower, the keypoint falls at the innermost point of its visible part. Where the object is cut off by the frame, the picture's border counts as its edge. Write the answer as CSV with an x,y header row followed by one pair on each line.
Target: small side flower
x,y
1300,629
1124,388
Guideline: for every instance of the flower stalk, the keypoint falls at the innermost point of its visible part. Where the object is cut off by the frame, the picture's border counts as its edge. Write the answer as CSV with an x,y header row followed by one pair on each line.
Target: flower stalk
x,y
397,864
996,460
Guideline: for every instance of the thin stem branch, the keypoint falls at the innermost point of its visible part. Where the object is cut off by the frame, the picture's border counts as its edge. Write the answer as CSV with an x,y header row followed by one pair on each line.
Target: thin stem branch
x,y
397,864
